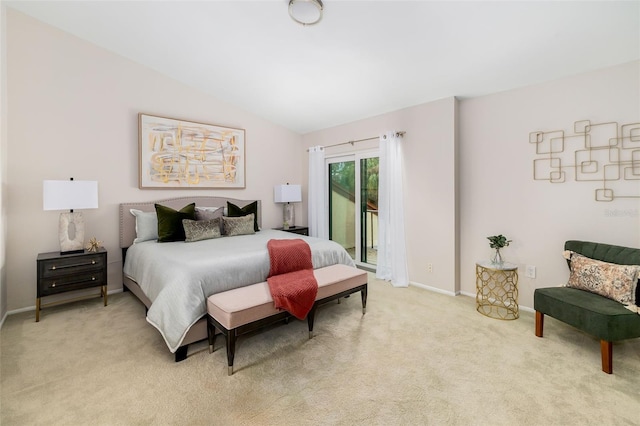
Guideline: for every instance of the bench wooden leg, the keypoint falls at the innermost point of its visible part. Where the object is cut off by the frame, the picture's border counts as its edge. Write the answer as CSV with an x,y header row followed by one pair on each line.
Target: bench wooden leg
x,y
363,293
606,348
211,335
539,323
231,350
311,316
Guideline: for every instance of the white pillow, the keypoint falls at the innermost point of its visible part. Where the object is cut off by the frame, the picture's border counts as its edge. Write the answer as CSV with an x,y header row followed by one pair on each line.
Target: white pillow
x,y
146,225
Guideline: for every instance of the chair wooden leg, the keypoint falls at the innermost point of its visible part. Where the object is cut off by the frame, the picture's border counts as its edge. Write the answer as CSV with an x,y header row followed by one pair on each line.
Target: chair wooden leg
x,y
606,348
539,323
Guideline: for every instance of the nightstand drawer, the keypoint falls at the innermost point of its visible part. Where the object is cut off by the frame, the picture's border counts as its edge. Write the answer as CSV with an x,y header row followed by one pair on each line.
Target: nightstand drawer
x,y
72,265
59,273
64,283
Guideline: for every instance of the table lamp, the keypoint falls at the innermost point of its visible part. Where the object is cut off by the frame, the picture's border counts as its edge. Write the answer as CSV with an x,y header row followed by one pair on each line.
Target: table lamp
x,y
69,195
287,194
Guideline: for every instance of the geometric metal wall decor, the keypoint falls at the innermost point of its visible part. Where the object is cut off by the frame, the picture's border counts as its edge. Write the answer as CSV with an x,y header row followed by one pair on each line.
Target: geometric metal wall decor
x,y
602,153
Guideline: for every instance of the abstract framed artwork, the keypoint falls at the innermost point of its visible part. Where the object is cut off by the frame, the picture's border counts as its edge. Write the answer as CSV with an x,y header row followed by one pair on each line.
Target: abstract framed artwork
x,y
185,154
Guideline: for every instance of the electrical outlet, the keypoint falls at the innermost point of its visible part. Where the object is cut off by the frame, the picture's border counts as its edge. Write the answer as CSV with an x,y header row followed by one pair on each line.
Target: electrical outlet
x,y
430,267
530,271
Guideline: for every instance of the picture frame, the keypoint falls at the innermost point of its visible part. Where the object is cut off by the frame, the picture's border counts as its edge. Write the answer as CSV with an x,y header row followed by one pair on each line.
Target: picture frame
x,y
177,153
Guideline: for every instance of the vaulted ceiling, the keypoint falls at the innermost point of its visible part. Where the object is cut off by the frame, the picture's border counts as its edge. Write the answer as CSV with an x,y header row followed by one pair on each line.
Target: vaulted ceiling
x,y
364,57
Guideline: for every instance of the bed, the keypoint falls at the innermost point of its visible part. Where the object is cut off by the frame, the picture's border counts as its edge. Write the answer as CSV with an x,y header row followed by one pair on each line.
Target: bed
x,y
173,279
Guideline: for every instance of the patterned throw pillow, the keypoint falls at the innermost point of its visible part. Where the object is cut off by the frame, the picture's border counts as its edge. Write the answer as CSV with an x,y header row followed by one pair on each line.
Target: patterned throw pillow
x,y
617,282
198,230
242,225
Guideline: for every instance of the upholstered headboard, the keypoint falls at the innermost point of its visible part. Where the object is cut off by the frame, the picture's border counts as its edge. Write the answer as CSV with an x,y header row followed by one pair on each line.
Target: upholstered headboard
x,y
128,221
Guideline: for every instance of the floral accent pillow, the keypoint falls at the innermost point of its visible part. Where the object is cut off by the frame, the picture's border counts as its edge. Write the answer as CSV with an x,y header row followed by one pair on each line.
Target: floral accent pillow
x,y
198,230
241,225
616,282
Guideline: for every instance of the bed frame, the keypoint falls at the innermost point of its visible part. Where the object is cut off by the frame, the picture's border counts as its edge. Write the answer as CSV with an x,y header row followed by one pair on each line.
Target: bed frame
x,y
198,331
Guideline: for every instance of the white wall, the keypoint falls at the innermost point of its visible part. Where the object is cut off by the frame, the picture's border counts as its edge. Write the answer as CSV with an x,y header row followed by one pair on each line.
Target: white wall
x,y
429,180
497,191
72,112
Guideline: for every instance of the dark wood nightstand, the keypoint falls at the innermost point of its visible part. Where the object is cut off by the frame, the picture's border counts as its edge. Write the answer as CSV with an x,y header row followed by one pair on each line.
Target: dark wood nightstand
x,y
59,273
301,230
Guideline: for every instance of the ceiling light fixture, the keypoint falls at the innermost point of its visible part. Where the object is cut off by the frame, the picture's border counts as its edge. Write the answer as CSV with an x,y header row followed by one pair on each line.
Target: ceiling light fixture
x,y
306,12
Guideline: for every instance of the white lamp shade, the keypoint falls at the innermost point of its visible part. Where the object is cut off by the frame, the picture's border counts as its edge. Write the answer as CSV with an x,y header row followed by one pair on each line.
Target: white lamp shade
x,y
69,194
287,193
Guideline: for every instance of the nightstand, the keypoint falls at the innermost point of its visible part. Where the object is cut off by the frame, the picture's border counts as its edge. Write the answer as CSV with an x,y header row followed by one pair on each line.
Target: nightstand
x,y
59,273
301,230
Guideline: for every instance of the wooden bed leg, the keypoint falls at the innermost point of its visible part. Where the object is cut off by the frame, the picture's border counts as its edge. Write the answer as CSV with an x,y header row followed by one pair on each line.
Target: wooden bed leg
x,y
606,348
539,323
181,353
363,293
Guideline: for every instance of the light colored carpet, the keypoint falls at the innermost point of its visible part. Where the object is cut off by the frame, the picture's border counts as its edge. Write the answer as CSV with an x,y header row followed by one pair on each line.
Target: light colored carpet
x,y
415,358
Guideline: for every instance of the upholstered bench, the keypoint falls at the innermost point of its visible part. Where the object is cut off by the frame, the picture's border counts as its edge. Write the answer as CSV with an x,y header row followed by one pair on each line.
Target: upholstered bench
x,y
596,315
245,309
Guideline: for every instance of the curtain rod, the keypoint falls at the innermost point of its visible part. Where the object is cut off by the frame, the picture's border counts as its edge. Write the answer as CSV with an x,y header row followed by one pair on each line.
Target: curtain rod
x,y
360,140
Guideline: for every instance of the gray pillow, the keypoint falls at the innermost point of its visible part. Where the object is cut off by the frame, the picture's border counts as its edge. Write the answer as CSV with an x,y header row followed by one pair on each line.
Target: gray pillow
x,y
241,225
197,230
208,213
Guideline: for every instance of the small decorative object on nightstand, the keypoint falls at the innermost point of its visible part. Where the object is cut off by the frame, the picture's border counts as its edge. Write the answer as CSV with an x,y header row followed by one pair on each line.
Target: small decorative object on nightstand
x,y
94,245
59,273
301,230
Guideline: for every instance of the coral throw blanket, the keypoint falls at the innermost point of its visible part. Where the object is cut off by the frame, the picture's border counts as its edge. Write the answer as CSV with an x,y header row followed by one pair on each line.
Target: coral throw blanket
x,y
291,281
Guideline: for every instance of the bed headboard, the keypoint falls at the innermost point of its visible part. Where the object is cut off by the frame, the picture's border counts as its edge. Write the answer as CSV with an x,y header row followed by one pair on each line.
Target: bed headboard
x,y
128,221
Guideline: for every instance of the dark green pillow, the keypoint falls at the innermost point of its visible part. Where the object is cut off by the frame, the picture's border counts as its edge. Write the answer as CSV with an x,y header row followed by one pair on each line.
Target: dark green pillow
x,y
170,222
235,211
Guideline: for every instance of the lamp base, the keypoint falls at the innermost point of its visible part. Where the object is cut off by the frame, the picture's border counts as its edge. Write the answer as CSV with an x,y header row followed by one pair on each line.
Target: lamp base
x,y
288,216
62,253
71,232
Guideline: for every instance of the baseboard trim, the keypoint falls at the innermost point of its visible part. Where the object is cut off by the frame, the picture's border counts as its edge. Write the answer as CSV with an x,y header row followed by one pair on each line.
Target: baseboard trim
x,y
463,293
33,307
434,289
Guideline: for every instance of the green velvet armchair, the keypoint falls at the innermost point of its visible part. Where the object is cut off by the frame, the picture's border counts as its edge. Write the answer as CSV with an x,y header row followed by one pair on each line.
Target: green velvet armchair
x,y
606,319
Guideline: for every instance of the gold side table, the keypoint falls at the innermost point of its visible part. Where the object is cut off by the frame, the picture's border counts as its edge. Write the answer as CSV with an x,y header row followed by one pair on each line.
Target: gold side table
x,y
497,290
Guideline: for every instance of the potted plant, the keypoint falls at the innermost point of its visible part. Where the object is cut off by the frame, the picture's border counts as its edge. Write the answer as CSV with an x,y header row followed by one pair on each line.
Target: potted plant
x,y
497,242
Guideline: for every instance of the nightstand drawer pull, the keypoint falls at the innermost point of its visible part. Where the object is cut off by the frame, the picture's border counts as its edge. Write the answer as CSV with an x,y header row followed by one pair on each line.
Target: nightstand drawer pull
x,y
74,265
53,285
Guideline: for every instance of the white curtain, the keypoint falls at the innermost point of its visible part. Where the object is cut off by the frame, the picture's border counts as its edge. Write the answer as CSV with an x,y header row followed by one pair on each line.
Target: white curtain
x,y
392,258
317,188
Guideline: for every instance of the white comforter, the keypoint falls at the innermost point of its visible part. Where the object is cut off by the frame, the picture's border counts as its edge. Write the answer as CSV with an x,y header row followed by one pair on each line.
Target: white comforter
x,y
179,276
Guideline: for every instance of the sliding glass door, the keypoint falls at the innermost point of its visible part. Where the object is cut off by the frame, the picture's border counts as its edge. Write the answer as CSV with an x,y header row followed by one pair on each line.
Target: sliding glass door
x,y
353,205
